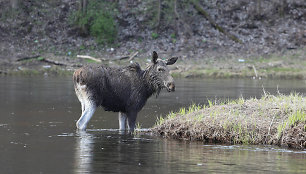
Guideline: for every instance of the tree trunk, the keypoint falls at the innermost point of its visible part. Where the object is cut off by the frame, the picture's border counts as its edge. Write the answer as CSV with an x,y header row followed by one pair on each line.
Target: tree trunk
x,y
283,5
158,14
83,7
14,4
180,23
83,11
258,7
176,19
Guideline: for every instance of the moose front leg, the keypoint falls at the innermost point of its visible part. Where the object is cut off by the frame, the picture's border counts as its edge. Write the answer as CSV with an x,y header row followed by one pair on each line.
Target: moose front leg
x,y
122,121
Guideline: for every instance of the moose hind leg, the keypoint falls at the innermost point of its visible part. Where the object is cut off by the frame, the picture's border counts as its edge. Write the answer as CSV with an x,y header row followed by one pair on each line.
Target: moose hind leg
x,y
131,121
122,121
81,94
88,105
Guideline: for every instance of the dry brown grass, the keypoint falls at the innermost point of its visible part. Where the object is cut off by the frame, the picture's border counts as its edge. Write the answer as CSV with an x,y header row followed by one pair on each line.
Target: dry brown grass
x,y
278,120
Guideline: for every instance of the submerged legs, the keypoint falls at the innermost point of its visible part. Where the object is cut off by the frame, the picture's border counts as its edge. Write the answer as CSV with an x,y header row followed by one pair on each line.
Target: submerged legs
x,y
122,121
131,121
127,119
89,110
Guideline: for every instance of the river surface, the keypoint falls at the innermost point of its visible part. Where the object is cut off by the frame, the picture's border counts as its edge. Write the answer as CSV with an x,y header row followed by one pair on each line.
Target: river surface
x,y
38,134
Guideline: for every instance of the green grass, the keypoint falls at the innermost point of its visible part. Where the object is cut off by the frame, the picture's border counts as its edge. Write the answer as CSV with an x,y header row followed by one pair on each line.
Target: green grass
x,y
91,61
295,118
173,36
159,121
138,126
183,111
154,35
137,129
54,70
193,108
282,69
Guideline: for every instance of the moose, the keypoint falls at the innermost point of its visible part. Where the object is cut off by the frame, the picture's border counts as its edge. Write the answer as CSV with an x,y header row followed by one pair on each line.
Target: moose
x,y
120,89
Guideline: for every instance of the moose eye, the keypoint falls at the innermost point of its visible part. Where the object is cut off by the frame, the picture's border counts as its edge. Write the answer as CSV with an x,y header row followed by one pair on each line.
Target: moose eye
x,y
160,69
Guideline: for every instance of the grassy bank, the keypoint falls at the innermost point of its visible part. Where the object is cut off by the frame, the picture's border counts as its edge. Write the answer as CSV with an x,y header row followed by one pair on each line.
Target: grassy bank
x,y
274,120
52,71
288,65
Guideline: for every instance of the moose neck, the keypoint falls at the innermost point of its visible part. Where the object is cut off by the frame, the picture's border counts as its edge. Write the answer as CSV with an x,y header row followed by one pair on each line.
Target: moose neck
x,y
150,81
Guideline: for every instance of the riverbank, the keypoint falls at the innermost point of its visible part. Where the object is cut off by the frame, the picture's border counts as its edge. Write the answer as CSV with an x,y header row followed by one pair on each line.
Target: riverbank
x,y
283,65
270,120
219,40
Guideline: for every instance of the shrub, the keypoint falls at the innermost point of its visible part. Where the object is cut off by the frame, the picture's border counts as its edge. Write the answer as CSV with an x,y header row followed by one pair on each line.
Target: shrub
x,y
154,35
98,21
104,28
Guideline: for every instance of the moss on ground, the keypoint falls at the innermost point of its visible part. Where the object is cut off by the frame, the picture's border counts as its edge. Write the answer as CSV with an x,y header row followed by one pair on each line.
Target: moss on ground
x,y
273,120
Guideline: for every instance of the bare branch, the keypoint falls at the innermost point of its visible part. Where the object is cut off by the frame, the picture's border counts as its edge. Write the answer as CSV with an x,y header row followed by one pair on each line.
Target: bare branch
x,y
89,57
27,58
133,55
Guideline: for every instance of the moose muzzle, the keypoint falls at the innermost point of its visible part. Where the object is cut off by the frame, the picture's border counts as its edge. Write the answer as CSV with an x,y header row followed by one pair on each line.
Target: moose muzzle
x,y
170,87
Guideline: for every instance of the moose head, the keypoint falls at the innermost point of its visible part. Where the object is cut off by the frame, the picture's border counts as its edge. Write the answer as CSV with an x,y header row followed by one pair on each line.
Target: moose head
x,y
159,73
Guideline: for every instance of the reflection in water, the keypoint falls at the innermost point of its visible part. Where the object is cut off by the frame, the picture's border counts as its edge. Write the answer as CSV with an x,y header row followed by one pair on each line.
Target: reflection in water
x,y
37,132
103,151
83,152
110,151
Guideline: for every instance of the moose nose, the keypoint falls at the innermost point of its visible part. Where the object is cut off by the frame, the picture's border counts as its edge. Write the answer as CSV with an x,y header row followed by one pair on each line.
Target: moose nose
x,y
171,87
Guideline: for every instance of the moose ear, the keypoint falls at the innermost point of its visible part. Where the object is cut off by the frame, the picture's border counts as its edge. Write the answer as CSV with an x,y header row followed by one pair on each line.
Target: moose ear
x,y
154,57
171,60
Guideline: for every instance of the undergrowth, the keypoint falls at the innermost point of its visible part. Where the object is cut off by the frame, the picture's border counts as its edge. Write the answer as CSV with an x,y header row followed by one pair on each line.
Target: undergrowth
x,y
97,20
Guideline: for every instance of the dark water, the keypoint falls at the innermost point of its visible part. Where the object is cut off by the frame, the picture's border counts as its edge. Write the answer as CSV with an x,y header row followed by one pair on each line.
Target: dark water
x,y
38,135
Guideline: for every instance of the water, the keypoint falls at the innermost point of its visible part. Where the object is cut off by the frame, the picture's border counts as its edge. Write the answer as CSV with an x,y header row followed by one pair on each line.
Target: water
x,y
38,135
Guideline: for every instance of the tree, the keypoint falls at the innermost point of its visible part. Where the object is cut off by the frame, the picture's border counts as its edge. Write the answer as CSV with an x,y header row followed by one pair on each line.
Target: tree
x,y
83,7
14,4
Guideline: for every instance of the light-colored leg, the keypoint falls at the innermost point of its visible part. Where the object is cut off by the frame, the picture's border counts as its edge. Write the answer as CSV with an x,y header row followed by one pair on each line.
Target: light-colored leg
x,y
122,121
89,110
88,106
83,107
79,91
